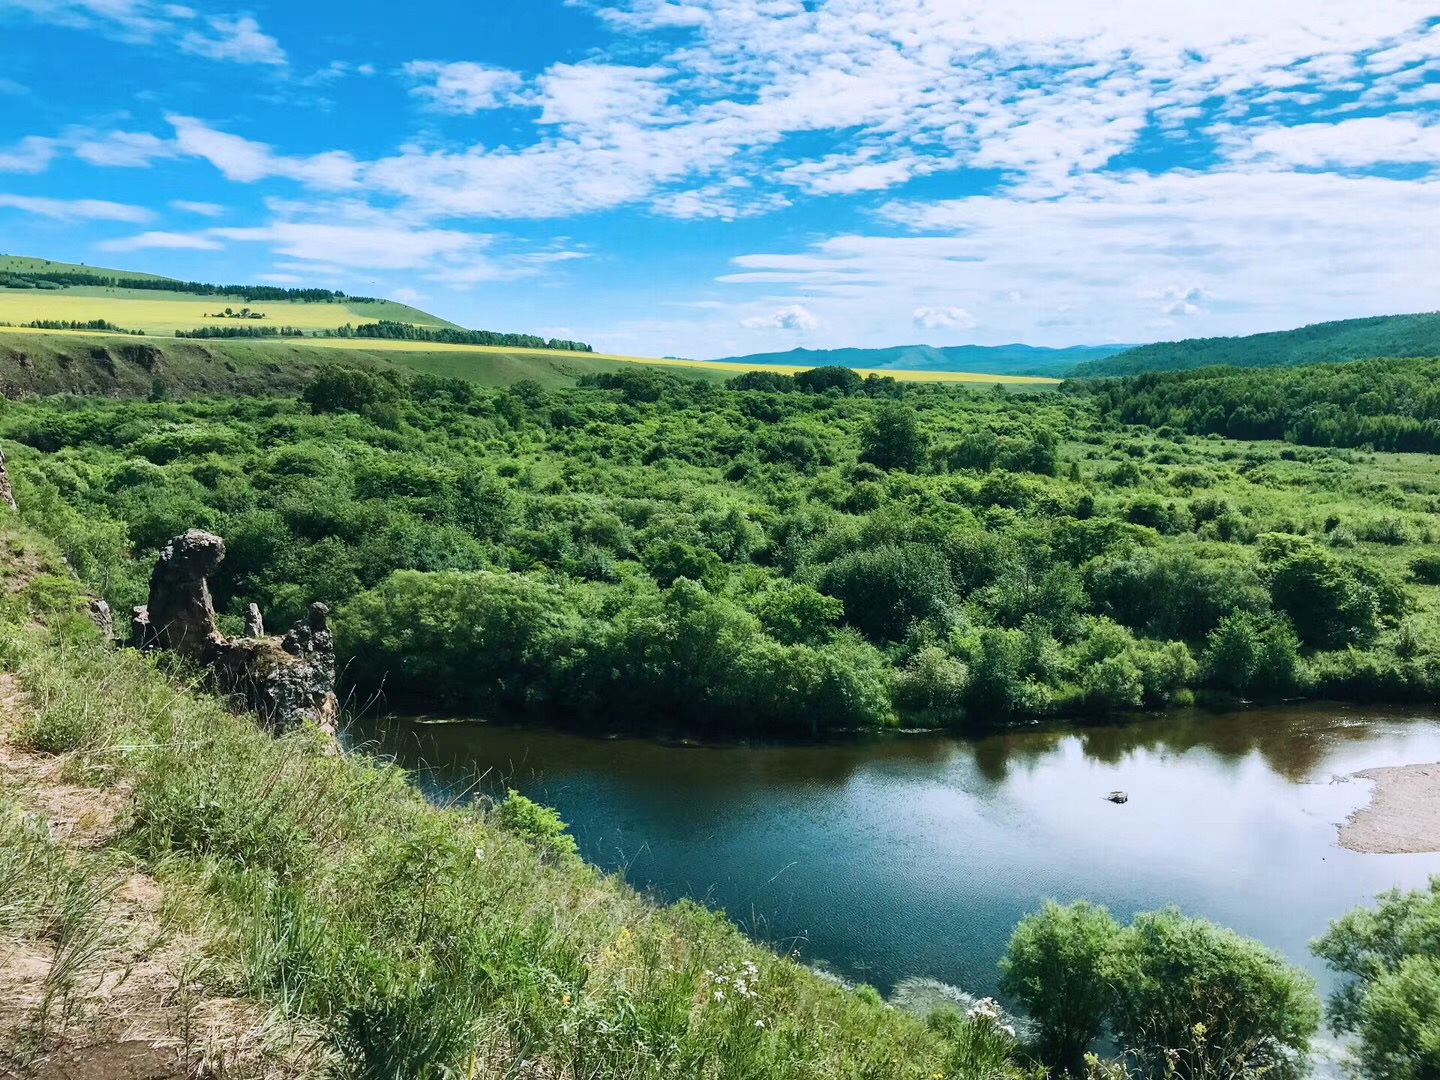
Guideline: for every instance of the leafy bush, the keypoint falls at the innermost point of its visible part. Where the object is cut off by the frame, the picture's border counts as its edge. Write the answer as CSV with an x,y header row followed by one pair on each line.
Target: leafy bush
x,y
538,824
1224,1004
1425,568
1057,966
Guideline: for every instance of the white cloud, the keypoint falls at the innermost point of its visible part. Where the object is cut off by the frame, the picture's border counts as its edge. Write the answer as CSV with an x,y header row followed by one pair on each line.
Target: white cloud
x,y
792,317
164,241
237,38
1179,301
462,88
1359,142
246,161
75,209
204,209
125,149
944,318
31,154
1121,258
591,96
368,246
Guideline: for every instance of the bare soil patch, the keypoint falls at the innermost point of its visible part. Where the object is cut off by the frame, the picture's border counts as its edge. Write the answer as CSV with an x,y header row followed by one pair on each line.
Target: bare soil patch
x,y
1403,817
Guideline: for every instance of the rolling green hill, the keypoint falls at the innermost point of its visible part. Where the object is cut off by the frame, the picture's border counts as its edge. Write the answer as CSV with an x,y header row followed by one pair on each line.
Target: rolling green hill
x,y
987,359
22,264
1390,336
33,289
112,365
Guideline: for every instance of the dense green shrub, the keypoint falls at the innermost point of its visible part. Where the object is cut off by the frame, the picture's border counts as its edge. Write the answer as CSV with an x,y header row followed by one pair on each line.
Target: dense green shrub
x,y
1389,957
888,588
538,824
1219,1003
1057,966
594,501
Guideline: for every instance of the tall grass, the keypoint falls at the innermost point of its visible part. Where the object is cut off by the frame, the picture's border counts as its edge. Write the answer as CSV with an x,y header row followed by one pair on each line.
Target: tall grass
x,y
425,942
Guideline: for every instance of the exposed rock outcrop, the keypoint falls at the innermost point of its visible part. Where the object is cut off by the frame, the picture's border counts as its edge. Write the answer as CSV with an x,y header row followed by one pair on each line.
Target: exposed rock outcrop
x,y
180,613
101,616
7,495
286,681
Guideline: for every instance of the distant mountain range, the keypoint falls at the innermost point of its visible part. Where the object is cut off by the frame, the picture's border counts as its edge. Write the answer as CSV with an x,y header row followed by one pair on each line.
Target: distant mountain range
x,y
1390,336
985,359
1397,336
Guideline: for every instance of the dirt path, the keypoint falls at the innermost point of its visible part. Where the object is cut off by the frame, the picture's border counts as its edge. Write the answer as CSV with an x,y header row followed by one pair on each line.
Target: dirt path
x,y
1404,813
138,1011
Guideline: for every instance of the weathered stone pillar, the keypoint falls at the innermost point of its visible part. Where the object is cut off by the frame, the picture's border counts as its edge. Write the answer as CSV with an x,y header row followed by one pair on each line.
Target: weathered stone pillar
x,y
182,617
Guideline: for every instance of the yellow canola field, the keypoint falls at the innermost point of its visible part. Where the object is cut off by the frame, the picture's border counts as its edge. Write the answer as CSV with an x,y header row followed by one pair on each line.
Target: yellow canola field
x,y
383,345
163,317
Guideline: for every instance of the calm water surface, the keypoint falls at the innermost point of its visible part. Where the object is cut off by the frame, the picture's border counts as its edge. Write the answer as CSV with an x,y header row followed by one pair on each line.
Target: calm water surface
x,y
916,855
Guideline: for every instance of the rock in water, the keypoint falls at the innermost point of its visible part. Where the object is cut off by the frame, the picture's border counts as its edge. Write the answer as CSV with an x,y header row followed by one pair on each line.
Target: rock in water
x,y
7,495
254,624
182,616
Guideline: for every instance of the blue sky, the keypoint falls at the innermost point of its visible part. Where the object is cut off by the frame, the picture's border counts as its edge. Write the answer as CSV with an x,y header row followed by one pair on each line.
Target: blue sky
x,y
710,177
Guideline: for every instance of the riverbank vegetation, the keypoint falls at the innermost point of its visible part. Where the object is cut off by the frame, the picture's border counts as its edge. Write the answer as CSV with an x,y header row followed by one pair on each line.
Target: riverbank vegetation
x,y
836,553
391,938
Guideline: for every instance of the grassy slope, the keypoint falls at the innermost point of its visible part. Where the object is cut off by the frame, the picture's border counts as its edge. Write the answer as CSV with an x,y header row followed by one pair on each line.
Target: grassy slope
x,y
159,314
402,938
39,362
52,362
22,264
1396,336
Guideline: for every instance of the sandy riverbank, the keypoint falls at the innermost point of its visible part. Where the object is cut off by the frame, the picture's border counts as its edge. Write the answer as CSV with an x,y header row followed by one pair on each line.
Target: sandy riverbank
x,y
1404,812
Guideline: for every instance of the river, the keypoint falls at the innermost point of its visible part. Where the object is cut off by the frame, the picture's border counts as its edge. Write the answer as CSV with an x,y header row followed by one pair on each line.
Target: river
x,y
914,855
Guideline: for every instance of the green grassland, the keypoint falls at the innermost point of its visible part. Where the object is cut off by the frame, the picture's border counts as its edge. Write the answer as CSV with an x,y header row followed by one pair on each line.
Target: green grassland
x,y
75,362
60,362
21,264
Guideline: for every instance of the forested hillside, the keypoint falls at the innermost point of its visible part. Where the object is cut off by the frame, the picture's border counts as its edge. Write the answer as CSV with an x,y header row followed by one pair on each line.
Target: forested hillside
x,y
777,558
1383,404
1322,343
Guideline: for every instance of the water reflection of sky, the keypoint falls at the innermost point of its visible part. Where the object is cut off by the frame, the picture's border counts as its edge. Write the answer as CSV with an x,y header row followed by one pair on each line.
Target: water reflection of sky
x,y
911,856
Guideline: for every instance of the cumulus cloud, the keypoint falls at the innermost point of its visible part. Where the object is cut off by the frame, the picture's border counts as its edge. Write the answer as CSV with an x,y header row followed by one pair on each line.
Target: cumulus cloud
x,y
1180,302
944,318
461,88
239,39
1360,142
791,317
31,155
